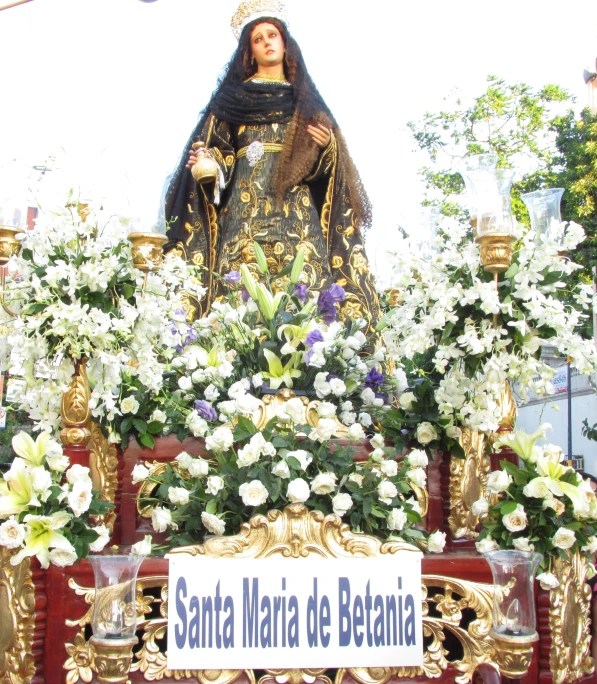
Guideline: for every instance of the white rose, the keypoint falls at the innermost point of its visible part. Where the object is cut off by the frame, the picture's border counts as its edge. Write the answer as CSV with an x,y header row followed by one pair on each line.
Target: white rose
x,y
417,458
406,402
355,477
228,408
253,493
212,523
12,533
322,387
564,538
140,473
397,519
161,519
355,432
102,540
377,441
303,457
214,484
238,389
185,383
79,498
377,455
325,430
281,470
436,542
341,504
184,460
338,387
536,489
414,504
517,520
211,393
453,432
257,380
558,506
417,477
248,455
389,468
365,420
522,544
63,557
58,462
326,410
41,479
179,496
221,440
295,410
298,491
591,547
247,404
548,581
129,405
198,467
498,481
77,473
324,483
198,427
387,491
143,547
158,417
486,545
480,507
426,433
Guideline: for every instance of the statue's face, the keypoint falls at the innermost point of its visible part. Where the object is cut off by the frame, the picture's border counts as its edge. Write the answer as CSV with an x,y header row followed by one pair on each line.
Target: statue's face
x,y
267,45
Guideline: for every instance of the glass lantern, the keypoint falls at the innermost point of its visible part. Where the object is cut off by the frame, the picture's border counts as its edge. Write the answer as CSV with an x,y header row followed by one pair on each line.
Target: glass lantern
x,y
513,602
544,210
115,608
479,167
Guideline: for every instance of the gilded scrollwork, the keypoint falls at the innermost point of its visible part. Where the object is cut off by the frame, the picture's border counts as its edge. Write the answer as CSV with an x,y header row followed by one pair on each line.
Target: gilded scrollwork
x,y
468,482
569,621
17,620
75,408
103,464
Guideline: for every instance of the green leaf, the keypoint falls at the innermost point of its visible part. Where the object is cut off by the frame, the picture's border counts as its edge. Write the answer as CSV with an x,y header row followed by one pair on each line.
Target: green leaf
x,y
140,425
508,507
155,427
147,441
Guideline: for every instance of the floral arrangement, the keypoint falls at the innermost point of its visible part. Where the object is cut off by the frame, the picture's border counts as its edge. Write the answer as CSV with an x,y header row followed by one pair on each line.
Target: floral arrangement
x,y
46,504
81,298
447,306
544,505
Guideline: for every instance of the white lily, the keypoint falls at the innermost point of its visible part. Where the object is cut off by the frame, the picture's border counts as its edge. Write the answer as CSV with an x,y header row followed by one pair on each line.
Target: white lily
x,y
16,491
521,443
279,374
268,304
41,536
33,452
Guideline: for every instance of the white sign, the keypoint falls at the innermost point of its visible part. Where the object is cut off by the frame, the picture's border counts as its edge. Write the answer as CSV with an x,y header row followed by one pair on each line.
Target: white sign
x,y
294,613
560,381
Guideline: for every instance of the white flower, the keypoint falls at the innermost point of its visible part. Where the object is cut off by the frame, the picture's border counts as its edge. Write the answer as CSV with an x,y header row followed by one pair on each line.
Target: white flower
x,y
326,409
486,545
214,484
77,473
58,462
198,468
558,506
426,433
536,488
79,498
417,458
140,473
522,544
389,468
198,426
480,507
377,455
397,519
221,440
184,460
377,441
325,430
341,504
179,496
302,456
417,476
591,547
498,481
185,383
564,538
387,491
321,386
355,477
553,453
247,404
248,455
253,493
365,419
129,405
158,417
298,491
63,557
41,479
338,387
281,470
257,380
161,519
324,483
436,542
406,402
453,432
355,432
211,393
12,533
143,547
212,523
548,581
102,540
295,409
515,521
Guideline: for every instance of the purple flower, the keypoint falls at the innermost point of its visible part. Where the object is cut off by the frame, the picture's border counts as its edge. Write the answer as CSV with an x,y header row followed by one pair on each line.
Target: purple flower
x,y
205,410
309,356
313,337
384,397
327,307
180,312
232,278
373,379
245,294
300,292
337,293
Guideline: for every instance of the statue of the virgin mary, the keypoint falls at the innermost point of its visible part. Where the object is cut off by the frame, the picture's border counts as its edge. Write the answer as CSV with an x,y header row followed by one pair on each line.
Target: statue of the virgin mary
x,y
284,177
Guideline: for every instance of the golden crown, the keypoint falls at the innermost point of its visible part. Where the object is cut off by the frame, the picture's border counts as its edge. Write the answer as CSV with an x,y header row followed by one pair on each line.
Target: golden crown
x,y
255,9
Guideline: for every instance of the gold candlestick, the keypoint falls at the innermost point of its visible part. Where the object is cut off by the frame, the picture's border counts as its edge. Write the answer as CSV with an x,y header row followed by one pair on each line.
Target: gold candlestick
x,y
496,252
513,654
113,658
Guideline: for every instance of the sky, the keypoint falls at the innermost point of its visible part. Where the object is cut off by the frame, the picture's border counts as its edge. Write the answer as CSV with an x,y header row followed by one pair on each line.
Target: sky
x,y
112,88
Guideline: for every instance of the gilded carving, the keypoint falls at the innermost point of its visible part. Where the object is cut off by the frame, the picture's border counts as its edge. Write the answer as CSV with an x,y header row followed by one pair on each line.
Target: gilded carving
x,y
468,482
75,409
17,620
513,654
147,250
507,403
569,621
103,464
496,252
294,677
112,659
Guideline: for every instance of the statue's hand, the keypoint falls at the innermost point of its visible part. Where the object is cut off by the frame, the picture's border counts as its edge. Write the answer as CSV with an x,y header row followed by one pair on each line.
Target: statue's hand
x,y
198,150
321,135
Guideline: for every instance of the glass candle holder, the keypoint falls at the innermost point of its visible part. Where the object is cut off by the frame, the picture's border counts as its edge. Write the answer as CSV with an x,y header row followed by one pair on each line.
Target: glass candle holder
x,y
513,602
478,167
544,210
115,607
